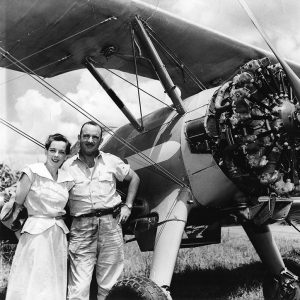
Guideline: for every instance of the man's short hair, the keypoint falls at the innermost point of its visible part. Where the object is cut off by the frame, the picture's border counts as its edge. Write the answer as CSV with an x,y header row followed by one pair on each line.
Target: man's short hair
x,y
59,138
93,123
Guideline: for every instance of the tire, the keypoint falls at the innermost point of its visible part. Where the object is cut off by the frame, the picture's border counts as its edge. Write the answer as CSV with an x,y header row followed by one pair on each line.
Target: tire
x,y
136,288
292,262
271,287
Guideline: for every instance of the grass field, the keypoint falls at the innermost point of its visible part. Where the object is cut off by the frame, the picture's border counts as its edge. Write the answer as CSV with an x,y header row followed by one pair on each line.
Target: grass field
x,y
230,270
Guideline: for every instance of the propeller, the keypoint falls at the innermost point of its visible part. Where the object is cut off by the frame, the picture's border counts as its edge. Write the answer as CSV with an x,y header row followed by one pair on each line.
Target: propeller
x,y
293,78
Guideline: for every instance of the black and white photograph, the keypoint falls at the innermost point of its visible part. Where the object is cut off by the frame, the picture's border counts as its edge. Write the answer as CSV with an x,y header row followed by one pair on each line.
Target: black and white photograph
x,y
150,150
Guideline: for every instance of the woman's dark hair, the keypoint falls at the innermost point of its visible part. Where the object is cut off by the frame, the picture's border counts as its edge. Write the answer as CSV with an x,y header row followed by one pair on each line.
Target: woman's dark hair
x,y
59,138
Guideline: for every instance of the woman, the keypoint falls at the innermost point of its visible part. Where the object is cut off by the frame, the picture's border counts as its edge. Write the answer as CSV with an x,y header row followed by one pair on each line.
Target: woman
x,y
39,268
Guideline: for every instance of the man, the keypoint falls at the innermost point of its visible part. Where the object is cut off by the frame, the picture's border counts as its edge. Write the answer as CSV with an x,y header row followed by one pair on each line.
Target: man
x,y
96,234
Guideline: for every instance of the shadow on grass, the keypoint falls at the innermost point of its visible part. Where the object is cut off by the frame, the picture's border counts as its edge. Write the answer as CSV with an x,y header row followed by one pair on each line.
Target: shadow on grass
x,y
219,283
223,283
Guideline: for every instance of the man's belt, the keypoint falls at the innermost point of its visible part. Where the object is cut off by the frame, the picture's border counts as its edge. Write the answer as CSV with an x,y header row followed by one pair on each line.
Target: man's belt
x,y
46,217
102,212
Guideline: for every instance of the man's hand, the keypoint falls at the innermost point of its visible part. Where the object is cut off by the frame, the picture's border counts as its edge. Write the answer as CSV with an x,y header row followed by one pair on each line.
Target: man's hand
x,y
124,214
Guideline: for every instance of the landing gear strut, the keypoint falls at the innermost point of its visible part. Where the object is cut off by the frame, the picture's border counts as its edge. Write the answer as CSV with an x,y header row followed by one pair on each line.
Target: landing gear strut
x,y
280,284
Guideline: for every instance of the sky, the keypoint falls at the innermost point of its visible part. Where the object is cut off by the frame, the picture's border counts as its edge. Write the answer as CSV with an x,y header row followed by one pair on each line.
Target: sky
x,y
36,111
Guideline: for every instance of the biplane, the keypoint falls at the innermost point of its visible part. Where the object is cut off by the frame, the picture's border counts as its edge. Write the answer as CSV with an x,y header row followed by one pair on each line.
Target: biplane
x,y
229,145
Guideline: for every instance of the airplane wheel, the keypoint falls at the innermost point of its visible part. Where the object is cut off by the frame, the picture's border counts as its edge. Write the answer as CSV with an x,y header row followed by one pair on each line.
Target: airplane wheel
x,y
292,262
285,287
136,288
272,290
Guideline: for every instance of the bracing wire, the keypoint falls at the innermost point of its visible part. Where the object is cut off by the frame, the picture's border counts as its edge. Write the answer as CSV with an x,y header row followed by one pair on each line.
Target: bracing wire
x,y
35,141
67,38
112,72
289,222
19,131
136,74
144,91
37,78
37,69
173,57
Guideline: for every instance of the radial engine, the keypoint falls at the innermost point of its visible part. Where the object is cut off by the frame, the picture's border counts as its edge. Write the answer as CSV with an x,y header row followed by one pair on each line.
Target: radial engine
x,y
252,129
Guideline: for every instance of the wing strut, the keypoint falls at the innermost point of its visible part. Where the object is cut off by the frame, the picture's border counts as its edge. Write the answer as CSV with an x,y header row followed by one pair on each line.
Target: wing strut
x,y
160,68
294,80
112,95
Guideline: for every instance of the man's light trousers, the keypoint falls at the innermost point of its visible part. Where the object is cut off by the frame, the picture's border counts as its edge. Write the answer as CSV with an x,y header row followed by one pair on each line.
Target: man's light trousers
x,y
94,241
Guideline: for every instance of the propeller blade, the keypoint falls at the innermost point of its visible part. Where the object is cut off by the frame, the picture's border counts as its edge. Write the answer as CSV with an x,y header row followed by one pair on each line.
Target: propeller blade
x,y
293,78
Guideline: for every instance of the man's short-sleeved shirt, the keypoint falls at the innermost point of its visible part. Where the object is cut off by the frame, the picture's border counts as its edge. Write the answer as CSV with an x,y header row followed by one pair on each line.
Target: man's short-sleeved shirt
x,y
95,188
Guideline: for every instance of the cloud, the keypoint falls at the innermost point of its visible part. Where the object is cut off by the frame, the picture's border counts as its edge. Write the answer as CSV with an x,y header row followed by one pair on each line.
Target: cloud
x,y
39,113
37,116
280,19
3,129
92,98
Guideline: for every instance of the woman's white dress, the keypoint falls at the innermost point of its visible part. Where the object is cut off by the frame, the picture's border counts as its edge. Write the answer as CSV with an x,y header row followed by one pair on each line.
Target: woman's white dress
x,y
39,267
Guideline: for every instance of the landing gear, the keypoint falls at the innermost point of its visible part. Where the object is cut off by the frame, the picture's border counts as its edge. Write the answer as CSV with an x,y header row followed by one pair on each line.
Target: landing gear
x,y
274,288
162,267
285,286
282,284
136,288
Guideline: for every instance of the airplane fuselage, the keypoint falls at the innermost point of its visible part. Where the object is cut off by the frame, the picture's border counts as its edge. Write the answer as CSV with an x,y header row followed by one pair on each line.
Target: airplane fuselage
x,y
165,142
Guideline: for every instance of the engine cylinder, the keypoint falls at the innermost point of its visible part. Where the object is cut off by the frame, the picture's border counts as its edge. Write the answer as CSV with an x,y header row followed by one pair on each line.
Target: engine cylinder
x,y
257,120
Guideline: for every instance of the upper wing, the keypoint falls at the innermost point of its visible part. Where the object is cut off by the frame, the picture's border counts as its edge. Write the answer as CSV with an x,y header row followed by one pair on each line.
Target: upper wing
x,y
54,36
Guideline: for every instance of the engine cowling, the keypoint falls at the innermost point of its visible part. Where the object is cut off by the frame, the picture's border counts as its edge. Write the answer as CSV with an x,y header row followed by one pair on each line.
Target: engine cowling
x,y
253,130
